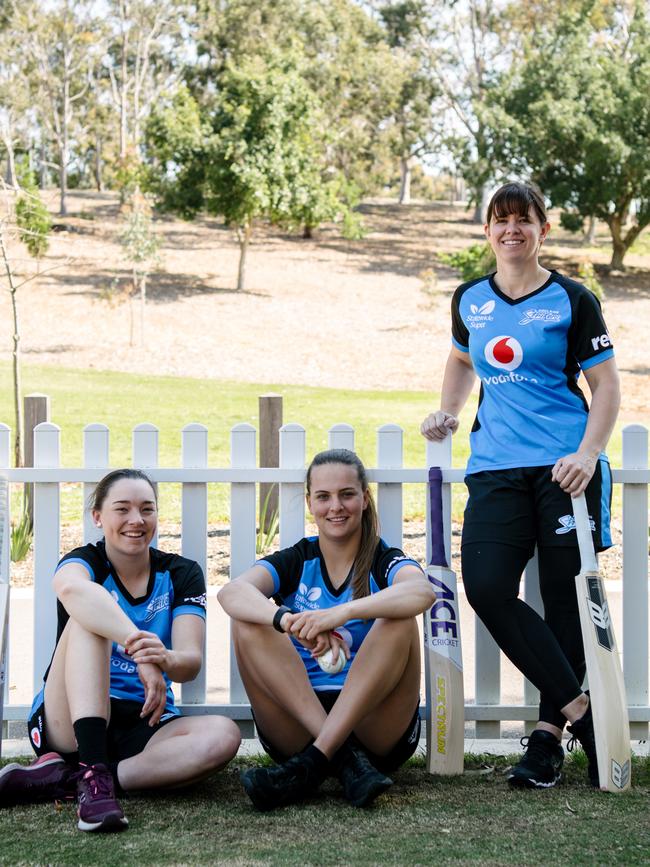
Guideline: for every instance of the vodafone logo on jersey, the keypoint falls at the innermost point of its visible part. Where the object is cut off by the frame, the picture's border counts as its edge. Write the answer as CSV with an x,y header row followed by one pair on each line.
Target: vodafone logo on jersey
x,y
504,352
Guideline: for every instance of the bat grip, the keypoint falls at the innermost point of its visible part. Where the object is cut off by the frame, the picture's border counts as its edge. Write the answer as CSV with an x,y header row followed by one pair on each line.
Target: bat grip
x,y
588,561
438,556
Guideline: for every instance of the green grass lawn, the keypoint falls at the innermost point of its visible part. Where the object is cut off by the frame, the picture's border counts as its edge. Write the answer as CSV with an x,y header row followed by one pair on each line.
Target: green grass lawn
x,y
121,401
421,820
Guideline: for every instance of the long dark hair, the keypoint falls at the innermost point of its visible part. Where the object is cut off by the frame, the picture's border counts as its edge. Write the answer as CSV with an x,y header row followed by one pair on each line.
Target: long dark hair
x,y
369,520
96,499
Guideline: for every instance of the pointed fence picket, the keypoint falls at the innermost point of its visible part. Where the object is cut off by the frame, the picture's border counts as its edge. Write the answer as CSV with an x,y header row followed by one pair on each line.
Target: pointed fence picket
x,y
243,476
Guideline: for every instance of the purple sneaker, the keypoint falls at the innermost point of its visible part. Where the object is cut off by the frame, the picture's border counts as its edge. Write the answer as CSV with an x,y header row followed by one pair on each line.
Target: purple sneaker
x,y
46,779
98,810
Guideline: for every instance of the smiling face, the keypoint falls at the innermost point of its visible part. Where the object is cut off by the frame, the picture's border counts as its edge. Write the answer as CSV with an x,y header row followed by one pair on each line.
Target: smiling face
x,y
336,500
516,238
128,516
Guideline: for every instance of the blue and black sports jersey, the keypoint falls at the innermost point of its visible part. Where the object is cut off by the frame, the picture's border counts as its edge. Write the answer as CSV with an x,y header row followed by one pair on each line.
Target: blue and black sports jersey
x,y
528,354
176,586
300,580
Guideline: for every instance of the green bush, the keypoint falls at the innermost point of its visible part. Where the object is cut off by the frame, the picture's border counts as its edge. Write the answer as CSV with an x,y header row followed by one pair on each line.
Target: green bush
x,y
587,275
572,221
472,262
21,538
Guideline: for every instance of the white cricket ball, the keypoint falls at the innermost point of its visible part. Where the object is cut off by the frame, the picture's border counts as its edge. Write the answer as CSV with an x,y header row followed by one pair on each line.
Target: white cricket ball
x,y
331,666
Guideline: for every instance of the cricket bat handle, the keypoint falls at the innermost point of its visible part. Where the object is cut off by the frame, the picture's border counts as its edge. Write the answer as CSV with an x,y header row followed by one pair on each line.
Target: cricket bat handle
x,y
588,561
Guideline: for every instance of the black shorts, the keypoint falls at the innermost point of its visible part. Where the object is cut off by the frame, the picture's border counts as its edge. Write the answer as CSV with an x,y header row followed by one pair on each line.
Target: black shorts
x,y
401,752
523,507
127,734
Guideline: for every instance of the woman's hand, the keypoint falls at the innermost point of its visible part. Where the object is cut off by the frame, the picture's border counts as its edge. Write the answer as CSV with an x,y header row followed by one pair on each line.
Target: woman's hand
x,y
438,424
309,625
155,692
573,472
146,647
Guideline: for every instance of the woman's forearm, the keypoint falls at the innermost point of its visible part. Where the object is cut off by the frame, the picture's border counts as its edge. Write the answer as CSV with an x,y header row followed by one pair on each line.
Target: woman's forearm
x,y
605,401
243,601
406,599
457,384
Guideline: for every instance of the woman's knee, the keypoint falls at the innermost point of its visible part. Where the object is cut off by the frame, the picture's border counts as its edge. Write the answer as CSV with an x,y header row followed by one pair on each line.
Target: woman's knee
x,y
221,741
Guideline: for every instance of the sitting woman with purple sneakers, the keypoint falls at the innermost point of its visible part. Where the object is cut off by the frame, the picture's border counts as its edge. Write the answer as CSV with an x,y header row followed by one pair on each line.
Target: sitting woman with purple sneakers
x,y
131,619
343,596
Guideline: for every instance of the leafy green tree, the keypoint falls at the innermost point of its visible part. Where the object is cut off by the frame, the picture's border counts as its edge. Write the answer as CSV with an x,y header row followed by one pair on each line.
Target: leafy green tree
x,y
413,130
140,245
253,154
576,117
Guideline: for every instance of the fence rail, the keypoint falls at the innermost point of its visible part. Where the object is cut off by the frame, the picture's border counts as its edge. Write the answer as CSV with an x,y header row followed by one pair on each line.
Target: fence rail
x,y
243,476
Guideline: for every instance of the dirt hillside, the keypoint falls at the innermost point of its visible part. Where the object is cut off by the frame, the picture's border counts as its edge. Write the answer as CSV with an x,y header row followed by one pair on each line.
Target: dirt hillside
x,y
324,312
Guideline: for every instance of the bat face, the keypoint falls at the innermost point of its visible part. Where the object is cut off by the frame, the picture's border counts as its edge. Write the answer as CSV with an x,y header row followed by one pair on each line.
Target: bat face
x,y
443,619
607,688
444,676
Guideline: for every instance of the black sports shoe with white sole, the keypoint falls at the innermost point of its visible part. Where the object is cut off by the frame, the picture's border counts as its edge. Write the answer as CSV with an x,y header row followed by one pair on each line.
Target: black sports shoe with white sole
x,y
541,764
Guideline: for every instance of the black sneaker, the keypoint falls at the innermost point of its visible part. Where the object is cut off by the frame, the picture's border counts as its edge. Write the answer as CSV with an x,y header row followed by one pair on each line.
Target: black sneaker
x,y
582,730
293,780
541,765
361,780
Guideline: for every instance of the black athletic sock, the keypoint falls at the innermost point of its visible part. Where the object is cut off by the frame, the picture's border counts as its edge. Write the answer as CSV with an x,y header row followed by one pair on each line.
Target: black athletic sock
x,y
90,732
318,760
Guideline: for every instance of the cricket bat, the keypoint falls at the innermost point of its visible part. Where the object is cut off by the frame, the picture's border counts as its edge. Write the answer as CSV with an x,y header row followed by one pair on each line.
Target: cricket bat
x,y
445,702
4,591
606,685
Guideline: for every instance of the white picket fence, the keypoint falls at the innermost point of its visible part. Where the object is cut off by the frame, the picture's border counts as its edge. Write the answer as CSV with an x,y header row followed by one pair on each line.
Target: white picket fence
x,y
243,476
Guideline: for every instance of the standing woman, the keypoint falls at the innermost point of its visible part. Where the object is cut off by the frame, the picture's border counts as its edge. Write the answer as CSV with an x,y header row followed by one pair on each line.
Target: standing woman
x,y
345,588
527,333
131,619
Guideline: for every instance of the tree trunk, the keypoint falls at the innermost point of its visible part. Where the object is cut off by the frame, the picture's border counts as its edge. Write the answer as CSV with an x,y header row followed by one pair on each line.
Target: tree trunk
x,y
482,202
590,234
243,236
143,301
406,171
98,165
42,170
308,232
18,449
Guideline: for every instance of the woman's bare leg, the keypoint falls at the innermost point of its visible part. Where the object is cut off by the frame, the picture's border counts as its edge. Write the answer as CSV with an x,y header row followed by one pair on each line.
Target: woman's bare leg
x,y
185,750
285,705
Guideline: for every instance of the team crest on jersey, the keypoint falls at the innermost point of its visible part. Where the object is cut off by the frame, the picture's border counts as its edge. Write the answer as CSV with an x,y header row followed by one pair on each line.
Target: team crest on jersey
x,y
539,314
156,605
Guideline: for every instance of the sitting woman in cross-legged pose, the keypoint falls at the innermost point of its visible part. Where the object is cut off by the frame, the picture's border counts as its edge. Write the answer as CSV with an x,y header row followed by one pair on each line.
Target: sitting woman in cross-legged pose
x,y
344,590
131,619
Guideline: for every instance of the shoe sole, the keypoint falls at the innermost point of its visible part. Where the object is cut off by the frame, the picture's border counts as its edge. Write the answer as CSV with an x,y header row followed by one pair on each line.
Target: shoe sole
x,y
528,783
108,823
373,792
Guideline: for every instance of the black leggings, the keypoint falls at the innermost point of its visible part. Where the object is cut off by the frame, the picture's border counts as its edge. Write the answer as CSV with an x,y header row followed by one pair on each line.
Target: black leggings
x,y
548,652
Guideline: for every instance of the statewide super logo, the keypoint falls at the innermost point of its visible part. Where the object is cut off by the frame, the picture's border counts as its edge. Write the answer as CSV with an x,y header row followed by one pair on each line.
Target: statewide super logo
x,y
599,612
504,352
479,315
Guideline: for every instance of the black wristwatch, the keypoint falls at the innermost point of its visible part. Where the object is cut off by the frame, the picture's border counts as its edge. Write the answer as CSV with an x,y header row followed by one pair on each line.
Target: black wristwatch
x,y
279,614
